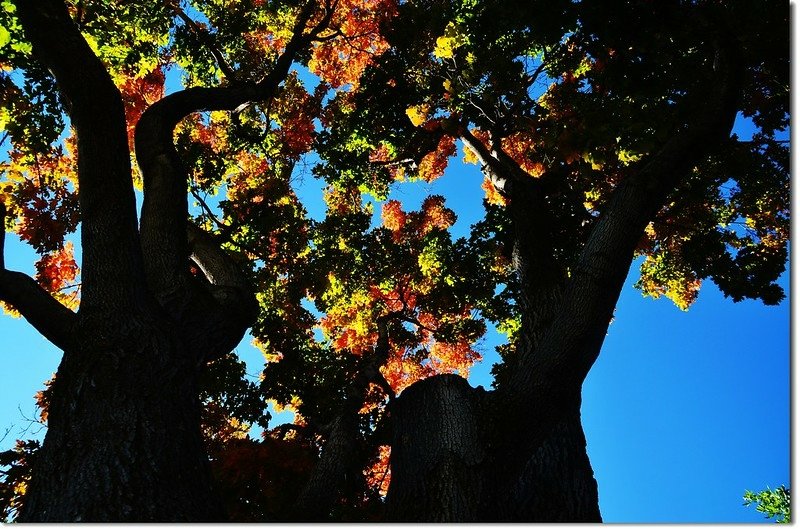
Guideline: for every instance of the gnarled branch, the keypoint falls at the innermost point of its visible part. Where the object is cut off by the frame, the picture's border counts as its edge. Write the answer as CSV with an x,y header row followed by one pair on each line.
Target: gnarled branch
x,y
165,204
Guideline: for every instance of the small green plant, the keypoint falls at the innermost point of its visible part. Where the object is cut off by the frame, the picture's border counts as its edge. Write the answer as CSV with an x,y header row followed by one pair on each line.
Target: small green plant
x,y
773,503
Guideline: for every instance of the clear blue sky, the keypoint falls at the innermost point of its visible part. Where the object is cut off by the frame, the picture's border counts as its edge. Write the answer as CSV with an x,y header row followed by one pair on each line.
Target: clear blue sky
x,y
683,411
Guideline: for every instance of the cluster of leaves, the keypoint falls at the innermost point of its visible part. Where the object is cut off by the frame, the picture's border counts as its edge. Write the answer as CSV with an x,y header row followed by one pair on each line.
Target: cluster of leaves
x,y
773,503
15,469
579,100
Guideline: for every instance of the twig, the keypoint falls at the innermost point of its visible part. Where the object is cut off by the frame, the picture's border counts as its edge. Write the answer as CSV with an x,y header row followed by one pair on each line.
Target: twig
x,y
207,210
207,40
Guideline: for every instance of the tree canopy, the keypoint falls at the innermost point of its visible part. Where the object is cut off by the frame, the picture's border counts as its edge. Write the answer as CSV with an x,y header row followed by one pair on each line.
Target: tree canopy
x,y
603,133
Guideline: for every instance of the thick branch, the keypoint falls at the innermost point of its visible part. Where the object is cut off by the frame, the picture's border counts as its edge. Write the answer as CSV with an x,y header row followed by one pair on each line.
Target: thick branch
x,y
230,287
571,345
52,319
324,487
165,204
340,454
112,275
533,222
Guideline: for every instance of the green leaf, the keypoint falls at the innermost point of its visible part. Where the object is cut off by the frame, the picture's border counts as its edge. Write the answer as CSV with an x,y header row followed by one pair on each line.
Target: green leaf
x,y
5,37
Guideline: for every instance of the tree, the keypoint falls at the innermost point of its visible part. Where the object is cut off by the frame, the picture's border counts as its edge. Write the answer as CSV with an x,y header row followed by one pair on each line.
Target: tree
x,y
773,503
626,150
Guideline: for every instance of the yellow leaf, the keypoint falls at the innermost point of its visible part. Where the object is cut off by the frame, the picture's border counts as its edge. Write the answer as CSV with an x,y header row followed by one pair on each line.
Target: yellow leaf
x,y
418,114
469,155
453,38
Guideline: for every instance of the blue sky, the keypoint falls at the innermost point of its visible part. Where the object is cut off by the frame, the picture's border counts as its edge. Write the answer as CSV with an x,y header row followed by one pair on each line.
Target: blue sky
x,y
683,411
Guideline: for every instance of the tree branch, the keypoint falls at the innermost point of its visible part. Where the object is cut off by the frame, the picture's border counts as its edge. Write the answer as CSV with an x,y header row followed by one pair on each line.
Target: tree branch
x,y
206,39
221,271
52,319
324,487
340,454
571,345
165,206
112,271
495,164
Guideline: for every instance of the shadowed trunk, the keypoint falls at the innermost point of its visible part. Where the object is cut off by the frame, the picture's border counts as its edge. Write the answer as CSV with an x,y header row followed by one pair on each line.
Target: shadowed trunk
x,y
437,453
123,440
557,484
521,454
450,465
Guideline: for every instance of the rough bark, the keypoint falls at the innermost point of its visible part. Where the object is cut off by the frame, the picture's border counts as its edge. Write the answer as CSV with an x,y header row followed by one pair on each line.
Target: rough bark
x,y
325,486
556,484
123,440
111,273
437,453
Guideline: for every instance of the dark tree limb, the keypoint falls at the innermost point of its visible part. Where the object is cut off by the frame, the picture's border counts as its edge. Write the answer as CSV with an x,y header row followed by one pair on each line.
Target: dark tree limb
x,y
324,487
341,455
235,307
52,319
557,369
165,204
533,220
212,315
112,272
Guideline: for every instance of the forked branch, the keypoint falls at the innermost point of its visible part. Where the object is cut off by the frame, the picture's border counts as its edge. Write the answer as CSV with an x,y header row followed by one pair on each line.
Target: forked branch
x,y
165,207
572,343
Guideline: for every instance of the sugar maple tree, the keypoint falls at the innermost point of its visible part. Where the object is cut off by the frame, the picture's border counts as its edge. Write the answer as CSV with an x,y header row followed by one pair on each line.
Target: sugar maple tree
x,y
600,139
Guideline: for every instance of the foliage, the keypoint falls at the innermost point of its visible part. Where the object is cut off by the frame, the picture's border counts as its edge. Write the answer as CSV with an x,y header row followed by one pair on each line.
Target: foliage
x,y
773,503
16,464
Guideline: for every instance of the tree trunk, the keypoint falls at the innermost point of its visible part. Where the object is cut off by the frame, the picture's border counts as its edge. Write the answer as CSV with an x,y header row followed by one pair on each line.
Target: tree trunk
x,y
123,440
557,483
449,464
437,453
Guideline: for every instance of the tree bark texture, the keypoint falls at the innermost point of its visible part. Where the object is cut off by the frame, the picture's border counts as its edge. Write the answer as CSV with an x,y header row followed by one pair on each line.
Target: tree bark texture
x,y
449,464
123,440
437,453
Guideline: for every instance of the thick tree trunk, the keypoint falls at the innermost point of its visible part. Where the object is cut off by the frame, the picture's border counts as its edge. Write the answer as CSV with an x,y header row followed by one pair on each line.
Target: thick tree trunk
x,y
123,442
450,464
437,453
557,483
